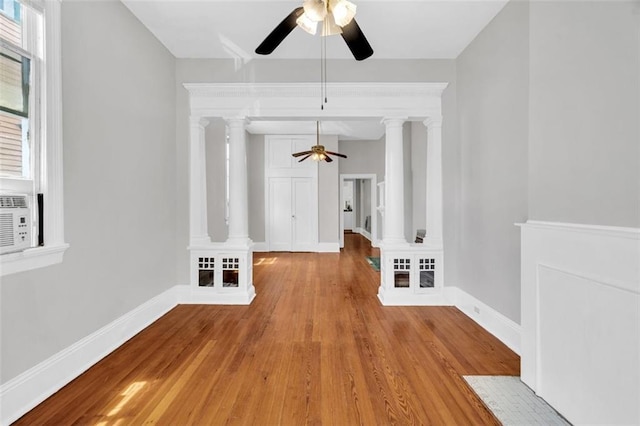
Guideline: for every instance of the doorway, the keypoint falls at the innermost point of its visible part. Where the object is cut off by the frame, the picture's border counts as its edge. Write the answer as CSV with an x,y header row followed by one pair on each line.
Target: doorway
x,y
358,203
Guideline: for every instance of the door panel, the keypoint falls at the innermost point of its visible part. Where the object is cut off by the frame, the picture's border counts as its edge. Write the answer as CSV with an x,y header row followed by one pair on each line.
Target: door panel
x,y
279,153
280,202
302,214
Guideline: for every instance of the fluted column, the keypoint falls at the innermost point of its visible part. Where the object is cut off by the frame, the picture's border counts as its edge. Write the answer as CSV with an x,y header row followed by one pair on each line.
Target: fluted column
x,y
393,232
434,180
198,232
238,188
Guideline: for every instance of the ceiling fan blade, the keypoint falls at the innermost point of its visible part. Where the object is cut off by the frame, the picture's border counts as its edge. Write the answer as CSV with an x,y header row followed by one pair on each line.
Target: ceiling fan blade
x,y
327,158
356,41
279,33
304,158
298,154
336,154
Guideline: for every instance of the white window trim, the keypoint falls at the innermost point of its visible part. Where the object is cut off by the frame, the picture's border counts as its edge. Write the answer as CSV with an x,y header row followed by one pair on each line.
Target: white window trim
x,y
51,155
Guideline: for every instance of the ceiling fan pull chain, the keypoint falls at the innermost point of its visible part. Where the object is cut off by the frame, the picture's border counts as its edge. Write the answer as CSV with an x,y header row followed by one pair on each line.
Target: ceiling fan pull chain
x,y
326,23
321,75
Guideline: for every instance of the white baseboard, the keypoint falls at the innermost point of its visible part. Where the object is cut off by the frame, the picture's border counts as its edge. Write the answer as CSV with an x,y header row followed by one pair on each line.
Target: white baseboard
x,y
406,297
506,330
24,392
363,232
260,247
319,248
329,247
186,295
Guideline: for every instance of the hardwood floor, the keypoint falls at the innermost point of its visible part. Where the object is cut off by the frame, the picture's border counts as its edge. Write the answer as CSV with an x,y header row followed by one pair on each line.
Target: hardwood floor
x,y
315,347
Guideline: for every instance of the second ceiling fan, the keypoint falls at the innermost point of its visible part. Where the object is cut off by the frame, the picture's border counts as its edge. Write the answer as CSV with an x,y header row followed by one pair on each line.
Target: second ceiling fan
x,y
335,16
317,152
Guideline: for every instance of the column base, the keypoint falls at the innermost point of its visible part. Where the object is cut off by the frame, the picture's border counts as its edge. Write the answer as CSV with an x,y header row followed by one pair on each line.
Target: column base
x,y
393,243
199,241
238,242
433,243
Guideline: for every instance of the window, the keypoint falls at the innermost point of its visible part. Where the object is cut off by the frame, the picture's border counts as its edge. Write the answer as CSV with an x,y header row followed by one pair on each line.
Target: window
x,y
20,58
30,124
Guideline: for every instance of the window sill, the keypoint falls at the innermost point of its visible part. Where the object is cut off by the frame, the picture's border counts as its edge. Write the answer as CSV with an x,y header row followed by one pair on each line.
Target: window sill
x,y
30,259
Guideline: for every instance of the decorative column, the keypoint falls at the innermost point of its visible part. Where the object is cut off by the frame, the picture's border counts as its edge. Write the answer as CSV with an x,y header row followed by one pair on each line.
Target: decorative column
x,y
434,181
238,188
198,232
394,183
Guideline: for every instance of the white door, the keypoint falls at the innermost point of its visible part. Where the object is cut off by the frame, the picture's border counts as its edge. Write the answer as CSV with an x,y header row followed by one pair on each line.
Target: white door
x,y
280,213
291,219
302,217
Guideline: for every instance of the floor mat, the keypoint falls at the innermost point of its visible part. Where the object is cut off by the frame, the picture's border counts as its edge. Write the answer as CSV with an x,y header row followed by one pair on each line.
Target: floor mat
x,y
512,402
374,262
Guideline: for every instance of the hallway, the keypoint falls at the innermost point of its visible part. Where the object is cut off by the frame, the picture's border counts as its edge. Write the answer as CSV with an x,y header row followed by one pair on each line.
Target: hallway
x,y
315,347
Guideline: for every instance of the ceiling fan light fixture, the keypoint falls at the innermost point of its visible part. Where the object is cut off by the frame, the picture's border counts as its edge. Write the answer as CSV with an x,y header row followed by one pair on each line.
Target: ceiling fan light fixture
x,y
318,156
329,26
307,24
343,11
316,10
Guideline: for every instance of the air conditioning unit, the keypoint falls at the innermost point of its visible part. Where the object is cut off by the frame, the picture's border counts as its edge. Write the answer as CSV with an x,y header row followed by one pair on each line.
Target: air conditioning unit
x,y
15,223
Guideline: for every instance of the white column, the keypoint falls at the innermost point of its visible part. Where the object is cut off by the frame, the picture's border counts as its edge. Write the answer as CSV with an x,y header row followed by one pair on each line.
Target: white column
x,y
238,188
434,180
394,183
198,183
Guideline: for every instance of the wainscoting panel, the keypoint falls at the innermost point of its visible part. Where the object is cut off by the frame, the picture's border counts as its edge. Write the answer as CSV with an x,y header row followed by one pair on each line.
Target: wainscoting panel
x,y
581,320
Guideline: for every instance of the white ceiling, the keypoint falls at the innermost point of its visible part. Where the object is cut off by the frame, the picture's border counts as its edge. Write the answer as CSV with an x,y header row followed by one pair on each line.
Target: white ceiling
x,y
406,29
409,29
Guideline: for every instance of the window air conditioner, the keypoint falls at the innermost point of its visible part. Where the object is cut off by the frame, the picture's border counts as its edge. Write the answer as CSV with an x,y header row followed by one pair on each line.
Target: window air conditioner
x,y
15,223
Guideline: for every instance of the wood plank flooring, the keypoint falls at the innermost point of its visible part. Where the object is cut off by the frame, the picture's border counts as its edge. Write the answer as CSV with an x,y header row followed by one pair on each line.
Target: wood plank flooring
x,y
315,347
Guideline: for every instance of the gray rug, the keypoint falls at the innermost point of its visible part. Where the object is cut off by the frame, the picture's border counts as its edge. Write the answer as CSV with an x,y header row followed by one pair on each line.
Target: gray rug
x,y
512,402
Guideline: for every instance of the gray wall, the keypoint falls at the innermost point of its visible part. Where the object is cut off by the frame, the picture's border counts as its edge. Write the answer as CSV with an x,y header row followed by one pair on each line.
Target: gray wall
x,y
584,159
367,207
329,210
119,189
492,92
409,232
255,175
418,163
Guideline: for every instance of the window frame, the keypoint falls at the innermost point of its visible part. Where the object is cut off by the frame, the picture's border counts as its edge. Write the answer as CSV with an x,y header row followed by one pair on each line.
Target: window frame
x,y
50,150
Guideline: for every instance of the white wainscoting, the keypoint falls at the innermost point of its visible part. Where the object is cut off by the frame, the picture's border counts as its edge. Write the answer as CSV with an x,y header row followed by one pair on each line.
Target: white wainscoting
x,y
581,320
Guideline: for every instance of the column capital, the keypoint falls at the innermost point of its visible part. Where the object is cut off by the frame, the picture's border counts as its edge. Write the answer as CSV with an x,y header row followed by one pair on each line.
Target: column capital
x,y
236,121
198,121
433,121
393,121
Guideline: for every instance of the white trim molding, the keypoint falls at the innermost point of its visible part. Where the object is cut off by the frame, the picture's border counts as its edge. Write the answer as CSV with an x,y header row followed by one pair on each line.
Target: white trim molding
x,y
328,248
24,392
280,100
374,202
32,258
503,328
580,309
52,182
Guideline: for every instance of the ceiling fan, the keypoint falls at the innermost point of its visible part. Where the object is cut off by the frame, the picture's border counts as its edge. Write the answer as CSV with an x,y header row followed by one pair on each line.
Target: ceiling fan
x,y
317,152
336,16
